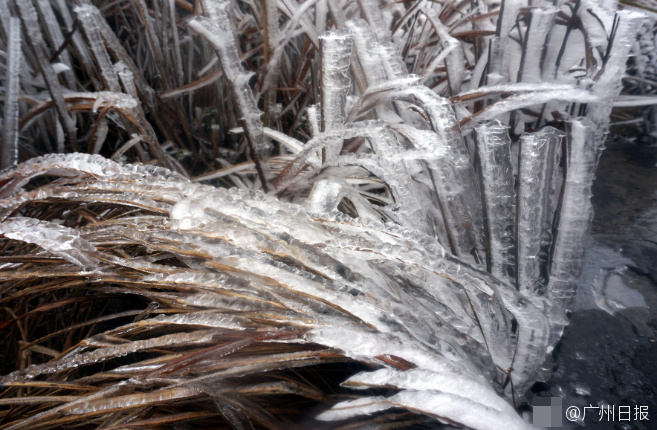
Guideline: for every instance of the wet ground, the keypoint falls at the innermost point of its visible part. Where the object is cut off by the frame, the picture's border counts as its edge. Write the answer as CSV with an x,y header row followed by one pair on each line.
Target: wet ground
x,y
608,354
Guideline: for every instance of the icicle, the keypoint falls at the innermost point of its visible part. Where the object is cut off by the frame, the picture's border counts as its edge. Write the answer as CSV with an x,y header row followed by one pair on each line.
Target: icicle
x,y
12,86
576,212
537,199
59,240
493,146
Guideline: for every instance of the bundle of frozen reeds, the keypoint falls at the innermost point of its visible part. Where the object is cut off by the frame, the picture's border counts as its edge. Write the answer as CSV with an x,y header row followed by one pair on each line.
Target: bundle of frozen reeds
x,y
398,248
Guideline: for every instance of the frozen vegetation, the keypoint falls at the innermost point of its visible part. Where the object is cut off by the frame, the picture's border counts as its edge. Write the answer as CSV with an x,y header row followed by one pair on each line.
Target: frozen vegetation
x,y
318,213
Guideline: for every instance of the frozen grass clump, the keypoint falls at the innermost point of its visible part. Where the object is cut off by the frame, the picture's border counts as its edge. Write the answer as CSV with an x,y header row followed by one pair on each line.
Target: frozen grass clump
x,y
394,229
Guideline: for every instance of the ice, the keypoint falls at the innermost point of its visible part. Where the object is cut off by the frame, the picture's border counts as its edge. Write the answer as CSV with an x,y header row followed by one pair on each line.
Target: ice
x,y
71,165
233,322
335,53
217,30
176,42
314,120
516,87
140,400
447,189
541,21
521,101
421,379
325,196
271,36
576,212
79,43
456,175
493,146
56,39
99,355
451,53
11,88
116,100
537,195
59,240
114,47
449,408
608,85
153,40
365,44
582,389
498,50
88,17
290,143
30,22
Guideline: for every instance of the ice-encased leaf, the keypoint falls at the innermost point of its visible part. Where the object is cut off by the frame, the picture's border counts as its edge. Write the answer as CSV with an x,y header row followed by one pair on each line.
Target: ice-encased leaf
x,y
34,37
576,212
451,53
422,379
493,151
88,16
335,49
541,21
62,241
537,199
11,88
217,30
448,408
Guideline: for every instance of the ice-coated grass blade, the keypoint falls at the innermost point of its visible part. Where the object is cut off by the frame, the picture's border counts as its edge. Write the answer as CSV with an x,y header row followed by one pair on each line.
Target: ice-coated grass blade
x,y
11,86
493,152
